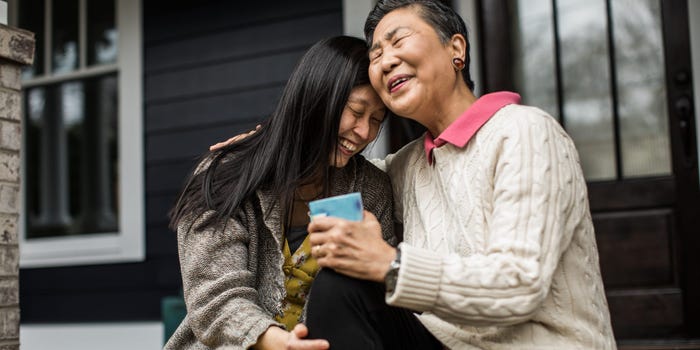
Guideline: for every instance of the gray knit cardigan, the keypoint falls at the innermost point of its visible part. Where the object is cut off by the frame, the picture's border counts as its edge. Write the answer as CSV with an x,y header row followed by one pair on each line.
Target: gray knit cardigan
x,y
232,274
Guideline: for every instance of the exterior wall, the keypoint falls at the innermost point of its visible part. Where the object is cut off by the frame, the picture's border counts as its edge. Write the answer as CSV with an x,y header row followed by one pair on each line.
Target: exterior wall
x,y
16,50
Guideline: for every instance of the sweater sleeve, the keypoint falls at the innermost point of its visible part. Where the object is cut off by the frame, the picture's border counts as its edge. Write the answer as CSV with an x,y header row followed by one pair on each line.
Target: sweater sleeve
x,y
535,179
219,286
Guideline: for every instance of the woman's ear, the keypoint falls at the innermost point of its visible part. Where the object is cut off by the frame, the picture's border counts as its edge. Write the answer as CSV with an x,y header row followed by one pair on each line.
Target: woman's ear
x,y
458,45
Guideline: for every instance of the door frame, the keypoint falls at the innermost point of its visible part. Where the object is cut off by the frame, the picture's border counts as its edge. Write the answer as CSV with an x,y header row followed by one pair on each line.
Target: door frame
x,y
679,85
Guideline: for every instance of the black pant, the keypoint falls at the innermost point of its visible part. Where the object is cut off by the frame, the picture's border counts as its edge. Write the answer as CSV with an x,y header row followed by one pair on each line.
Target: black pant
x,y
352,314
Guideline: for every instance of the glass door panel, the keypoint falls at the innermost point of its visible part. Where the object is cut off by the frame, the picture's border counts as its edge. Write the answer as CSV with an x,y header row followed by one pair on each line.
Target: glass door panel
x,y
598,67
641,87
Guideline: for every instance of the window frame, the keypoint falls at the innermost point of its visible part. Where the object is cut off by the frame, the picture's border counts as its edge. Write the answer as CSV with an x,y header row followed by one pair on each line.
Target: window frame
x,y
127,244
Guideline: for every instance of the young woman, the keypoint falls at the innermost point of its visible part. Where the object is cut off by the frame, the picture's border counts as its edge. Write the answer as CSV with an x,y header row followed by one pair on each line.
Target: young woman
x,y
241,219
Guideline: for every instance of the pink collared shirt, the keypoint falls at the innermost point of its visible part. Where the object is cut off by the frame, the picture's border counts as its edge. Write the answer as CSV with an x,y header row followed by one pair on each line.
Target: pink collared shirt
x,y
462,129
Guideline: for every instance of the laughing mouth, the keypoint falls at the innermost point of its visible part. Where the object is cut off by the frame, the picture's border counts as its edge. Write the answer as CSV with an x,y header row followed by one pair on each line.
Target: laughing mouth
x,y
397,81
349,146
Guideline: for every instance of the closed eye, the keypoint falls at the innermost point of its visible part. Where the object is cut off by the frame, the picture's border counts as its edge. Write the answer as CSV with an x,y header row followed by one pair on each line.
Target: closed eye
x,y
379,117
356,113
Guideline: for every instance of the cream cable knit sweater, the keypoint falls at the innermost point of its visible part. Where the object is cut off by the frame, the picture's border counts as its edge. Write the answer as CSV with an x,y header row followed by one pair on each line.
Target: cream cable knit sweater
x,y
499,250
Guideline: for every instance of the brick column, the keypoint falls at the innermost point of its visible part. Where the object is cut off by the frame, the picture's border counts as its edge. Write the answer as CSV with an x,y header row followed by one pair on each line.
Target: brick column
x,y
16,50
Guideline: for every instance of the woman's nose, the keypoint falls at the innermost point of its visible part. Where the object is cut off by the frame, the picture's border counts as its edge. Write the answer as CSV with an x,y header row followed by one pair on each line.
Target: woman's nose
x,y
389,61
362,128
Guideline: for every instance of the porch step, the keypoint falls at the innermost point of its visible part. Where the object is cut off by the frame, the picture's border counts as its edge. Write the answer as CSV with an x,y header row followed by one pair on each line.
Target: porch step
x,y
672,344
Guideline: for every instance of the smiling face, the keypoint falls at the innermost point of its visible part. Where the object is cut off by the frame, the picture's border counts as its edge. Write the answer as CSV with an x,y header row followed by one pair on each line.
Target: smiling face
x,y
359,124
409,66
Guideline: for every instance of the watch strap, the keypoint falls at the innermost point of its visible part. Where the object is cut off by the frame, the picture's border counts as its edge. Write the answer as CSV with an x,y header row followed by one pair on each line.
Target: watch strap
x,y
392,275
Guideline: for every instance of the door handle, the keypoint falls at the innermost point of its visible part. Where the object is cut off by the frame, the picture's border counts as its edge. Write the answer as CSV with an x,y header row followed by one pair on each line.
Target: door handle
x,y
683,108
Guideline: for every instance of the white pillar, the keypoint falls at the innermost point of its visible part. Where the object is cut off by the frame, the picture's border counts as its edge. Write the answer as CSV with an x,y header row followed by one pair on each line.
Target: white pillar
x,y
354,15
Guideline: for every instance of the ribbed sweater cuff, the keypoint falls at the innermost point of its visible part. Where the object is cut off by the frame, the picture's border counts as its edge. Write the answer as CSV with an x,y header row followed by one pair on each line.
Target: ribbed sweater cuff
x,y
419,279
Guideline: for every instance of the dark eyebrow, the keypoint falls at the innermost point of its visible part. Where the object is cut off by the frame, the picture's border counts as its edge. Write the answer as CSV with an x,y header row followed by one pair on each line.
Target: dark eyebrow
x,y
387,37
358,100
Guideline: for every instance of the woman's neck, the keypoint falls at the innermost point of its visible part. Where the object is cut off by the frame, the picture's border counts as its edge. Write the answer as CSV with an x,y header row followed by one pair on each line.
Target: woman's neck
x,y
308,190
448,110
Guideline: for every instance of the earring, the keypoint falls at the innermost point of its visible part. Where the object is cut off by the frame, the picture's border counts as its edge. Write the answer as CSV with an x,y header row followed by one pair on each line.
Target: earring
x,y
457,64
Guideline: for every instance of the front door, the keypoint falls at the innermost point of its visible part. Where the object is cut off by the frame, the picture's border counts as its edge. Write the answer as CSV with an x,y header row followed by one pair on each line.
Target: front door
x,y
617,74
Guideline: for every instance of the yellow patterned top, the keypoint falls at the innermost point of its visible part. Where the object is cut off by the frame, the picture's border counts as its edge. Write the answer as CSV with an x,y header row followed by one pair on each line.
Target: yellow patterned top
x,y
300,269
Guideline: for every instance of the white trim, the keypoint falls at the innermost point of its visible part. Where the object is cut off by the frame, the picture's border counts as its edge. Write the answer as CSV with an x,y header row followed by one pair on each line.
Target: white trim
x,y
128,245
103,336
3,12
81,73
131,151
694,21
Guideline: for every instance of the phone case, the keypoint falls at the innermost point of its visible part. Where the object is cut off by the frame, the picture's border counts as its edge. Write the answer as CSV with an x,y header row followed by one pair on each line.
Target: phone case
x,y
347,206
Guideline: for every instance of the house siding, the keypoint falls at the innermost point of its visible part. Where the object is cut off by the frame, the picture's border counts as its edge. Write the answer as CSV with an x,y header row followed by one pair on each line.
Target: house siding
x,y
211,70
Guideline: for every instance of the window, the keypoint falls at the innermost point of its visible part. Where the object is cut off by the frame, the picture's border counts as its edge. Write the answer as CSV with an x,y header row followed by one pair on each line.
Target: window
x,y
82,151
580,60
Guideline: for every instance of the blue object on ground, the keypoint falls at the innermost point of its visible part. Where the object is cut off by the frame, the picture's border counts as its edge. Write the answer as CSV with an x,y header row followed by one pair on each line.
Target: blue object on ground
x,y
173,311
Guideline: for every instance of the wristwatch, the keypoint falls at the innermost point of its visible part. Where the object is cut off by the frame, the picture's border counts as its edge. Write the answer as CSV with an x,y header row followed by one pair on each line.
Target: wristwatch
x,y
392,275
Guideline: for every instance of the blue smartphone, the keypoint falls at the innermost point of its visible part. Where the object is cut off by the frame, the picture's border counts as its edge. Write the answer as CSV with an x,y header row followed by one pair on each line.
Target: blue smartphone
x,y
346,206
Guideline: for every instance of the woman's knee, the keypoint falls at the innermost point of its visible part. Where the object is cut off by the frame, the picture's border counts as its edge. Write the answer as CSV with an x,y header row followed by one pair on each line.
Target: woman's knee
x,y
330,287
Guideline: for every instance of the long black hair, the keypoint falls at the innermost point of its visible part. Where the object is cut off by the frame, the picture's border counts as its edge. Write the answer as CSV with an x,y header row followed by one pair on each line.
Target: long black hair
x,y
293,145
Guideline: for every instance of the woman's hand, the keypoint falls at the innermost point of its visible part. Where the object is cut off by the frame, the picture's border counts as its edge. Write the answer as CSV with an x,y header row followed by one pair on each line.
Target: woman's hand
x,y
355,249
238,137
276,338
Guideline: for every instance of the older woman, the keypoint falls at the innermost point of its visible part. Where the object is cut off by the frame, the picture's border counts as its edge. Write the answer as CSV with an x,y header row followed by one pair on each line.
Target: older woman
x,y
499,249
